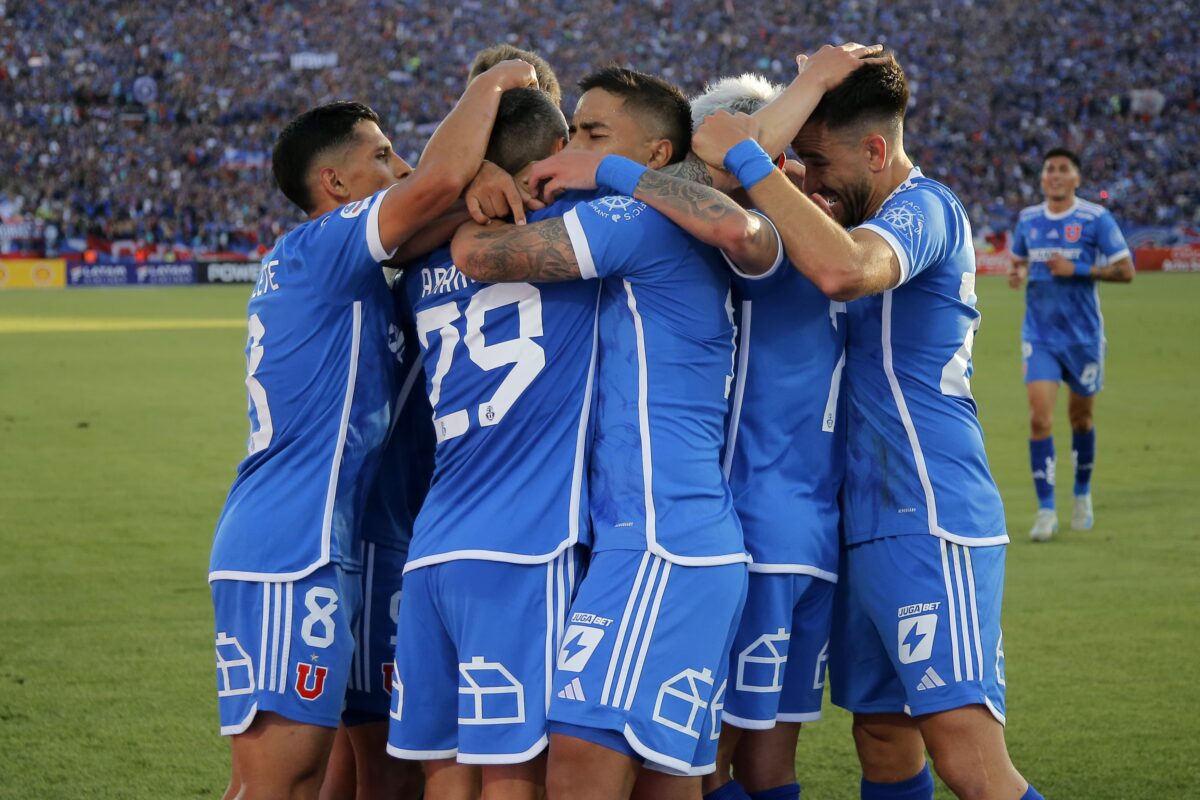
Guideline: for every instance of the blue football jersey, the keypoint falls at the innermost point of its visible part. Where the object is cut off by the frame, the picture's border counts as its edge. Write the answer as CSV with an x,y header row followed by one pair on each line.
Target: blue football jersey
x,y
1065,311
785,451
509,372
915,456
666,360
406,466
320,366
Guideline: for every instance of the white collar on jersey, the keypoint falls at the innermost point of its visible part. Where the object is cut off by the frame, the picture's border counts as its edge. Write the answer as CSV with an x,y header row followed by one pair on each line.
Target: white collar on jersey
x,y
1062,214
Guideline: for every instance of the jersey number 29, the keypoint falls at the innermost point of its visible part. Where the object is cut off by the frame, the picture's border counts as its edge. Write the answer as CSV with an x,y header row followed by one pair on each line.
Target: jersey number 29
x,y
527,356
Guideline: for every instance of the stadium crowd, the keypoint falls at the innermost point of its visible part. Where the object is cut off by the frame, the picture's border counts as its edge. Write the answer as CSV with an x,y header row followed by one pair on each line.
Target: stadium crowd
x,y
154,121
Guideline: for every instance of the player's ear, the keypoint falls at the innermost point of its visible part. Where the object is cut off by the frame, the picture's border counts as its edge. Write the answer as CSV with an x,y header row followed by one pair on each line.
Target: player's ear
x,y
330,183
660,154
558,145
875,150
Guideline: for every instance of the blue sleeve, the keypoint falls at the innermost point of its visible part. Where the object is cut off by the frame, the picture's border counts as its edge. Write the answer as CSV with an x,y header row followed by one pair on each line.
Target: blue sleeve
x,y
619,236
914,223
1020,247
1109,239
344,249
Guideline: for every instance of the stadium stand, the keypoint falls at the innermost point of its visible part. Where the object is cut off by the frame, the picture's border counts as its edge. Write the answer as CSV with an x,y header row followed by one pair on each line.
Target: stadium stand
x,y
154,121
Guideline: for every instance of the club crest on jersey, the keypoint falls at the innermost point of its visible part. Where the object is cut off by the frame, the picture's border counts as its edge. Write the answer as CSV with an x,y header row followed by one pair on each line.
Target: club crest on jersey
x,y
310,680
1072,231
906,217
618,208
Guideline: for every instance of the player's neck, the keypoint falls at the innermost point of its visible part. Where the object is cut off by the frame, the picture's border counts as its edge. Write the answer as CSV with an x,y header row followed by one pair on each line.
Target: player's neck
x,y
897,172
1060,205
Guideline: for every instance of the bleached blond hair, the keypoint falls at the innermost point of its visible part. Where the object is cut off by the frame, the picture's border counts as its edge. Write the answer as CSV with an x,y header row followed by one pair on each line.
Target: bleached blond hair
x,y
746,93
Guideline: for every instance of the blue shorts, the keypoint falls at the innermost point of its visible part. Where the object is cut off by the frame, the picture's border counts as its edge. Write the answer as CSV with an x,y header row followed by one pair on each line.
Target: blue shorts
x,y
1080,365
368,695
916,627
285,647
474,655
777,665
644,662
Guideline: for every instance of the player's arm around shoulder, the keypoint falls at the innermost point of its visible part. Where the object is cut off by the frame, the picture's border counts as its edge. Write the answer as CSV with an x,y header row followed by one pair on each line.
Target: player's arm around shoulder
x,y
502,253
452,158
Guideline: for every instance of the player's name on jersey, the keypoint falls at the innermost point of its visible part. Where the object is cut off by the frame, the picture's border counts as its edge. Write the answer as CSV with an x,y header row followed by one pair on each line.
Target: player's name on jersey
x,y
266,279
440,280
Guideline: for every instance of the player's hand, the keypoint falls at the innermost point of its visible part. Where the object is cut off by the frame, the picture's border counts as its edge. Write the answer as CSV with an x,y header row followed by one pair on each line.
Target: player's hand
x,y
794,171
831,65
512,74
719,132
1016,275
568,169
493,194
1061,267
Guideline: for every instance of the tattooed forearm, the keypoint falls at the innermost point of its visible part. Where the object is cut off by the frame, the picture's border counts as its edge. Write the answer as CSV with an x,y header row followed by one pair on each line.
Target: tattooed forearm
x,y
690,169
540,251
1120,271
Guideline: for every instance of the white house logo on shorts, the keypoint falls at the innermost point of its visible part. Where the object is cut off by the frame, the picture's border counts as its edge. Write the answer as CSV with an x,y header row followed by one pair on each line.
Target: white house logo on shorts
x,y
915,637
906,217
492,694
680,701
760,666
579,643
618,207
235,670
397,706
715,709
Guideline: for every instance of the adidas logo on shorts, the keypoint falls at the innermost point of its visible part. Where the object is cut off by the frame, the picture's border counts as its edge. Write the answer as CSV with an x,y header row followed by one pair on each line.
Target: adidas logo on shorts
x,y
931,680
573,690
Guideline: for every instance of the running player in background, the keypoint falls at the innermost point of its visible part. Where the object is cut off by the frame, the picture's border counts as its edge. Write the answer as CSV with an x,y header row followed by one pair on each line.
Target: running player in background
x,y
1064,245
494,555
286,552
641,674
917,654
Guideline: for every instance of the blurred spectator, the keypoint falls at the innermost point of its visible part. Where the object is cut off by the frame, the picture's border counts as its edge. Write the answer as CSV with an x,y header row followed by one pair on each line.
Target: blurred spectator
x,y
154,121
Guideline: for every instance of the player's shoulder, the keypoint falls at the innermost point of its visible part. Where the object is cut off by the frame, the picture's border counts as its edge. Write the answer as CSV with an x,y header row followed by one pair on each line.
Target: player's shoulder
x,y
1087,210
1032,212
925,191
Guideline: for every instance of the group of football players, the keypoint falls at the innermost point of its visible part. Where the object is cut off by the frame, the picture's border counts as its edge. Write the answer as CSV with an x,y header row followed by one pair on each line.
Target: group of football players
x,y
646,426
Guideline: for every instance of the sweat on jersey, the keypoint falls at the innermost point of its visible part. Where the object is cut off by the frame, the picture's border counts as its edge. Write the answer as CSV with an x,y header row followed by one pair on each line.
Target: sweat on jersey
x,y
786,433
915,456
320,367
509,374
1065,311
666,358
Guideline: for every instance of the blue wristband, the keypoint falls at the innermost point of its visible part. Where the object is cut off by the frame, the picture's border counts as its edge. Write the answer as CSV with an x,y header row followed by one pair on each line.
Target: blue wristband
x,y
619,174
1083,270
749,163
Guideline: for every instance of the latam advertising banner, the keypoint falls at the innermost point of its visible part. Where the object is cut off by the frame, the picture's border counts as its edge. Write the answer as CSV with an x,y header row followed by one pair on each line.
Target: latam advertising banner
x,y
30,273
1180,258
126,274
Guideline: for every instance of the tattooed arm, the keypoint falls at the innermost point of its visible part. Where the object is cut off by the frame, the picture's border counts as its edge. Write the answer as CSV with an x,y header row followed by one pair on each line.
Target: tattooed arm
x,y
747,239
503,253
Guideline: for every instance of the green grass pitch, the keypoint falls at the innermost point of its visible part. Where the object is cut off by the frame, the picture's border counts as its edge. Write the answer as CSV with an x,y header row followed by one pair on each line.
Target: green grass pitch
x,y
119,445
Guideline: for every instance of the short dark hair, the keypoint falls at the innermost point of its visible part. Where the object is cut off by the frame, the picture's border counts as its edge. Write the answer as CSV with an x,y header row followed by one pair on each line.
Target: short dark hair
x,y
489,57
306,137
1063,152
652,97
873,92
528,123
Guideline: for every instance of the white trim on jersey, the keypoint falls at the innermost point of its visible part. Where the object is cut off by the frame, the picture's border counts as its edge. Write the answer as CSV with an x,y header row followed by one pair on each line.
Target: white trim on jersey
x,y
421,755
793,569
1048,214
335,468
374,242
897,248
739,388
579,242
915,443
779,253
502,758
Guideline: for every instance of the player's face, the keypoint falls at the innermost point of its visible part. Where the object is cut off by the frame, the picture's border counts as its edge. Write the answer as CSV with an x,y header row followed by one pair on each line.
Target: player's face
x,y
835,169
1060,179
370,163
602,125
